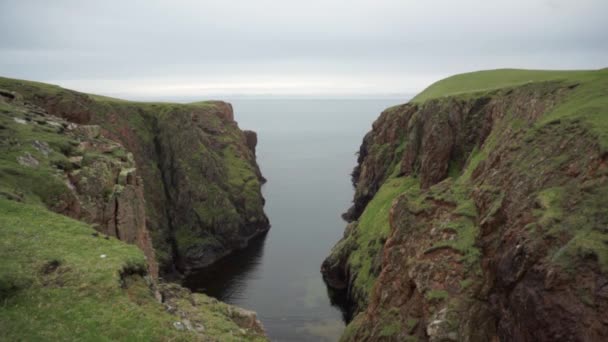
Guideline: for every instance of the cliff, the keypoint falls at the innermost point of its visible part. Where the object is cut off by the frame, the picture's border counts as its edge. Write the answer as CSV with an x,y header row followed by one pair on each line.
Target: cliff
x,y
479,213
201,183
61,278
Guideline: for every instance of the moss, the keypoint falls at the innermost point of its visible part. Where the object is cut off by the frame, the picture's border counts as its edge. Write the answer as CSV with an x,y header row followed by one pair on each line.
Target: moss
x,y
243,181
374,227
437,295
466,283
390,329
466,208
390,323
550,202
584,245
188,238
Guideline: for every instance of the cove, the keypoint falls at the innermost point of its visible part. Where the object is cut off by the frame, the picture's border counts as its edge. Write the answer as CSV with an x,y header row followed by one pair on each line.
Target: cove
x,y
306,150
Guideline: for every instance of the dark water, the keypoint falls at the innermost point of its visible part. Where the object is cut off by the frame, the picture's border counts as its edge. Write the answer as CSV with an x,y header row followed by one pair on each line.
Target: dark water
x,y
306,150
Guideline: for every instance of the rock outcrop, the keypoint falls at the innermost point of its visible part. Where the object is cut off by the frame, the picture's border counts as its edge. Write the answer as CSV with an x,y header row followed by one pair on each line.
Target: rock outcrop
x,y
201,183
75,171
479,215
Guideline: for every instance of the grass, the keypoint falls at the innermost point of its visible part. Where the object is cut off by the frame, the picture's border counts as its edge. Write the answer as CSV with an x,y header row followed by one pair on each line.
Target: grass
x,y
83,295
54,285
437,295
40,184
550,201
483,81
374,227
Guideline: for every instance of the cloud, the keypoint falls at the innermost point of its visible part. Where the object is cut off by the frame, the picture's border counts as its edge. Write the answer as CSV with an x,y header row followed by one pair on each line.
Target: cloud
x,y
329,46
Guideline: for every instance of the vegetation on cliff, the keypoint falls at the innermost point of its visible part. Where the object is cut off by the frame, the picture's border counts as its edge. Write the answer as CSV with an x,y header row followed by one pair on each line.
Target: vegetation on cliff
x,y
502,233
199,176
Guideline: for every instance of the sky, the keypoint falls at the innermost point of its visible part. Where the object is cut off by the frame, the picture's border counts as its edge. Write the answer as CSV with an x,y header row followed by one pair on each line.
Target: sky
x,y
156,49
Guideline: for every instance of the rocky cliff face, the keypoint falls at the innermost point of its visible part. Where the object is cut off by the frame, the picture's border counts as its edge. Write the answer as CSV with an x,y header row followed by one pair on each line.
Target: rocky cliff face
x,y
74,170
200,180
479,215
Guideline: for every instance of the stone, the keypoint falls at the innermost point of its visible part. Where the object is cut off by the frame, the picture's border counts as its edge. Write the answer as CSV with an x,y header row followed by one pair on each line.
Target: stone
x,y
86,131
439,329
42,147
28,160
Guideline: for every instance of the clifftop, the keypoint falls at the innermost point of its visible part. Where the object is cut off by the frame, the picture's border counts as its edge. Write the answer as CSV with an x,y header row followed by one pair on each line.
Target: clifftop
x,y
478,213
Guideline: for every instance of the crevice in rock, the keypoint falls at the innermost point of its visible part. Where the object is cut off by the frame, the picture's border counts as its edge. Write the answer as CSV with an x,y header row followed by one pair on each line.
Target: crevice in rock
x,y
116,222
175,267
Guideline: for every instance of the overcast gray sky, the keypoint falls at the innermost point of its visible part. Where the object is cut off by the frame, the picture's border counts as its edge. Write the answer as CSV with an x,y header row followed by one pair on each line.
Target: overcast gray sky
x,y
160,49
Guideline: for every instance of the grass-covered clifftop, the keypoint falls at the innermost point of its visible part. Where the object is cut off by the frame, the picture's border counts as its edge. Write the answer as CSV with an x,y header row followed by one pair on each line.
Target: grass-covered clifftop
x,y
200,180
478,212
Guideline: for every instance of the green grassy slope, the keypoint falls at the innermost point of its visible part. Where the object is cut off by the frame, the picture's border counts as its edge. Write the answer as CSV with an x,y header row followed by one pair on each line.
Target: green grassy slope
x,y
59,281
485,80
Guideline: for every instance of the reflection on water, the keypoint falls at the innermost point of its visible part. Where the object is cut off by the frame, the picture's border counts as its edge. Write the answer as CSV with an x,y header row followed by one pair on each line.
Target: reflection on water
x,y
227,279
306,150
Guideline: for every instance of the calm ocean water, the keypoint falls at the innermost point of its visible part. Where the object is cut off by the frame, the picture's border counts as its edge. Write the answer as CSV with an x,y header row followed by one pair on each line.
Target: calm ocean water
x,y
306,150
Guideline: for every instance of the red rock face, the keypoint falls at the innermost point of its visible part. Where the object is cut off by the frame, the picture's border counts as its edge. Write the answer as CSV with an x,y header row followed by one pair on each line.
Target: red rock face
x,y
497,251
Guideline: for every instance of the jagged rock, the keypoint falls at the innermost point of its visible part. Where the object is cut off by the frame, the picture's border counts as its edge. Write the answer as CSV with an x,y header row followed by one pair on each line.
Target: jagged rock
x,y
127,176
440,329
251,139
42,147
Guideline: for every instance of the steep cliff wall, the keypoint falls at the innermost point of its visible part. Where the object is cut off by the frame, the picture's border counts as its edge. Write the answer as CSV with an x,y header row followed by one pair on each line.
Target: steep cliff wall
x,y
479,214
201,181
